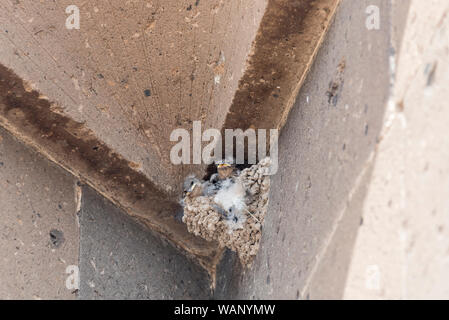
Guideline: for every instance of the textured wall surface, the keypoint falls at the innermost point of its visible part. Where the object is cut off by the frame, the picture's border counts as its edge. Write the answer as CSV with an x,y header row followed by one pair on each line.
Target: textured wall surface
x,y
142,67
358,208
119,259
402,249
326,151
103,100
39,235
50,227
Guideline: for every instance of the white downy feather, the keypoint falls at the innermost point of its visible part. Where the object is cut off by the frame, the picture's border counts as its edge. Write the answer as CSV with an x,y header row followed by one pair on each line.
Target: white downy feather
x,y
231,194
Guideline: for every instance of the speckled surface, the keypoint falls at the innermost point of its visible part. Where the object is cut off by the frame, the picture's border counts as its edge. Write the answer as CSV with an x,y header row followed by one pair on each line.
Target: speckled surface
x,y
325,151
402,248
121,260
39,235
116,88
42,240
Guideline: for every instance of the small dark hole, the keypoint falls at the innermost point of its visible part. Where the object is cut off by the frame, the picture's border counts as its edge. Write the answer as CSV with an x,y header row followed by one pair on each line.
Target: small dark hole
x,y
56,238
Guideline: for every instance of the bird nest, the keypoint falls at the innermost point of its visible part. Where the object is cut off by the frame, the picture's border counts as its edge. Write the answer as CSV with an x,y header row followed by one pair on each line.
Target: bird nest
x,y
240,231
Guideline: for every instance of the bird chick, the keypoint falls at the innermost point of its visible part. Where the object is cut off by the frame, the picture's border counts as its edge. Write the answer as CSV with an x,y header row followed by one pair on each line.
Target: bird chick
x,y
231,193
210,188
233,215
235,219
192,187
225,168
231,199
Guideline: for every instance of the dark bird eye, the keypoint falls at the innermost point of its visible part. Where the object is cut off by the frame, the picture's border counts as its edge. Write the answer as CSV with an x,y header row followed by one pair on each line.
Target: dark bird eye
x,y
191,183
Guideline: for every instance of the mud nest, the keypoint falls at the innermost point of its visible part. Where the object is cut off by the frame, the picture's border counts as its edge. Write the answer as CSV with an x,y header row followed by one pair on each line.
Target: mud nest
x,y
241,234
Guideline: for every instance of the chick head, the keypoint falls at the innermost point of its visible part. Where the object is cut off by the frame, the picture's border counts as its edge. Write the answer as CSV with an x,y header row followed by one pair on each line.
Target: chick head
x,y
225,168
192,187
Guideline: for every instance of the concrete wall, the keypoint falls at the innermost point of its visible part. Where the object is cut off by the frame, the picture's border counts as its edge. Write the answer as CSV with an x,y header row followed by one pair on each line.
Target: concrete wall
x,y
39,234
52,226
359,209
326,150
402,249
103,100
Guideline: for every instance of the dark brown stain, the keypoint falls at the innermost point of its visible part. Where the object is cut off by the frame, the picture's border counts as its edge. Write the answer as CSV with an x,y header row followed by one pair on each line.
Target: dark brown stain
x,y
74,146
430,71
28,110
336,84
56,238
282,49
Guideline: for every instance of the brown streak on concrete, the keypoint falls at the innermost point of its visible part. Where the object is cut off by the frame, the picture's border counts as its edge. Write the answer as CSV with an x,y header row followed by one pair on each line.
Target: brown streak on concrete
x,y
289,37
124,106
37,122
